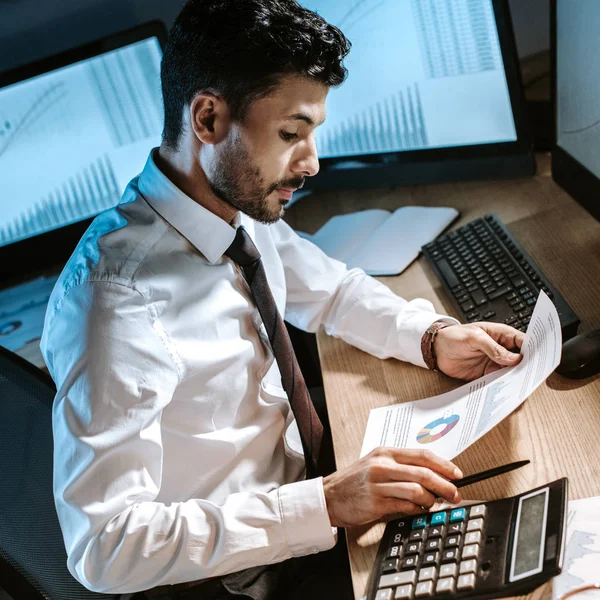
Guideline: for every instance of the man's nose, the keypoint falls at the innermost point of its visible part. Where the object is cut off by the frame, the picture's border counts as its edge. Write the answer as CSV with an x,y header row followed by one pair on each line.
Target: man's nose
x,y
308,162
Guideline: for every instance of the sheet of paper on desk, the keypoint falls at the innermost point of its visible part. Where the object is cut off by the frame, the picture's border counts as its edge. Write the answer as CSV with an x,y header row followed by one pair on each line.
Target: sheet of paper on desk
x,y
582,550
449,423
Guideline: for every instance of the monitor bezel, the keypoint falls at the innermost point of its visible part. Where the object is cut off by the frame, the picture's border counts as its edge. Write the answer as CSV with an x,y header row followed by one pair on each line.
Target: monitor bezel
x,y
48,252
503,159
578,181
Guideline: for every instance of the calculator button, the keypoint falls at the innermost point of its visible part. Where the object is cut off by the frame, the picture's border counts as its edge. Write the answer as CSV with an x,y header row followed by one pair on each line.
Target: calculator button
x,y
452,541
403,592
384,595
434,532
419,522
390,566
468,566
466,582
424,589
477,511
454,528
475,524
474,537
431,558
435,544
427,574
448,570
450,555
398,538
393,552
416,535
413,548
470,551
445,585
458,514
439,518
397,579
410,562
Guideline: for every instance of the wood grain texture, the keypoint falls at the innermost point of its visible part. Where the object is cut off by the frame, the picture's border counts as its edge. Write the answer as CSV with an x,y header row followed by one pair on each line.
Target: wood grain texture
x,y
557,426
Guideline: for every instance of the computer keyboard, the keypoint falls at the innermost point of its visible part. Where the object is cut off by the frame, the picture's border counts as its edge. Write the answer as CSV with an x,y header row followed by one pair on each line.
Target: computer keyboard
x,y
489,277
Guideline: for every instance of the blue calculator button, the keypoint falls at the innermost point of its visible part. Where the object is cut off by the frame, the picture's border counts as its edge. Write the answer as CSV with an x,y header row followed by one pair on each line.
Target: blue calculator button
x,y
458,514
438,518
419,522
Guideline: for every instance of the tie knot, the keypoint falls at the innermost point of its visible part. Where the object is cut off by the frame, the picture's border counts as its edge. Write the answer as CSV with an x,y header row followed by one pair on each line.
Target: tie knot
x,y
242,250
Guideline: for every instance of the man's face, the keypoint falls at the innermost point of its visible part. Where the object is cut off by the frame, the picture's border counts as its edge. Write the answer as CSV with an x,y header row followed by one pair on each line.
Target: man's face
x,y
265,158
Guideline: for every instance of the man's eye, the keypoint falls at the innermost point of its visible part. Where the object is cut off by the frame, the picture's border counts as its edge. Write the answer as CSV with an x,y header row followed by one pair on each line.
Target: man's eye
x,y
287,136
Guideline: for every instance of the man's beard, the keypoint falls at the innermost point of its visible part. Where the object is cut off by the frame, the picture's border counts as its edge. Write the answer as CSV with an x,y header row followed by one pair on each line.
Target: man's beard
x,y
237,181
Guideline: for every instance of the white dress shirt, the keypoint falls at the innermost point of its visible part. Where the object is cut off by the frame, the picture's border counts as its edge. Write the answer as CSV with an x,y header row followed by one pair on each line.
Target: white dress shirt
x,y
176,454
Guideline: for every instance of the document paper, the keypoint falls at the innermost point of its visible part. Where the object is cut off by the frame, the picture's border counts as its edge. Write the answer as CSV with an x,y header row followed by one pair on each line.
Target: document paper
x,y
451,422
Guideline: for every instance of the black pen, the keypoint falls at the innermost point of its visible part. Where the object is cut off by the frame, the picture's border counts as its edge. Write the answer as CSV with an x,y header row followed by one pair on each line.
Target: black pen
x,y
469,479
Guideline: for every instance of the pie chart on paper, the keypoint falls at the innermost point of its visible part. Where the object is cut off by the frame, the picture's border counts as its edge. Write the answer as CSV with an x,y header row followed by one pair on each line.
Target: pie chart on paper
x,y
437,429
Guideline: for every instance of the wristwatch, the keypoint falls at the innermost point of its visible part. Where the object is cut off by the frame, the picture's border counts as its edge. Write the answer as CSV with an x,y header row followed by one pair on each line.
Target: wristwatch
x,y
427,344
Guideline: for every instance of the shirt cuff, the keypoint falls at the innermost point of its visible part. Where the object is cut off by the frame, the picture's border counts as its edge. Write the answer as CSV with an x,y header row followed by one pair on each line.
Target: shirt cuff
x,y
416,328
305,518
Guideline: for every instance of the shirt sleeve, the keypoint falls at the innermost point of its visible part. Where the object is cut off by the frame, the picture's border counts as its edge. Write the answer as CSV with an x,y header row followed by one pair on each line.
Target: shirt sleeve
x,y
322,292
115,374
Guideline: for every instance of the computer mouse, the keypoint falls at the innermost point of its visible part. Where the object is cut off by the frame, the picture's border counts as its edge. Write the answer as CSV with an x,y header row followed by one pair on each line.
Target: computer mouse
x,y
580,356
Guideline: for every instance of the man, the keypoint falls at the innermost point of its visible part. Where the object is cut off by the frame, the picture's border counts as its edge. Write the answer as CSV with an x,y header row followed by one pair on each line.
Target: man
x,y
179,456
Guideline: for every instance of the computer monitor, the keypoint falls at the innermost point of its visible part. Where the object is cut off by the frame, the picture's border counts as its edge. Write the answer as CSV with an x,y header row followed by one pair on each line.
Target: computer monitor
x,y
74,129
576,91
433,94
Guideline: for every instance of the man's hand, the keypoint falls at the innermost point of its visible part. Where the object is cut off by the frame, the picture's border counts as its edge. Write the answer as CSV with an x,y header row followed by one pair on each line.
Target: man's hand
x,y
389,481
470,351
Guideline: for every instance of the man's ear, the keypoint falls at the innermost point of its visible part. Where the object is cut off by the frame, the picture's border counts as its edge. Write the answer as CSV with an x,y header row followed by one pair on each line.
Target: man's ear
x,y
209,118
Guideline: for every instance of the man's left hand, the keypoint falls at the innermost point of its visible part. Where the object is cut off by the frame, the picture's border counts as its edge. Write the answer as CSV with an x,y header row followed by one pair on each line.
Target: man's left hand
x,y
470,351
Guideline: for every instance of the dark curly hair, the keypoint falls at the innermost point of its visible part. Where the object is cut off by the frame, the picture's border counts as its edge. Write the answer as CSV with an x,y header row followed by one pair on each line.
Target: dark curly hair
x,y
239,49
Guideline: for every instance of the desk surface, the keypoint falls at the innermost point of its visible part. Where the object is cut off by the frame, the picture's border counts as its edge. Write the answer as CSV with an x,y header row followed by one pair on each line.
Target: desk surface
x,y
558,424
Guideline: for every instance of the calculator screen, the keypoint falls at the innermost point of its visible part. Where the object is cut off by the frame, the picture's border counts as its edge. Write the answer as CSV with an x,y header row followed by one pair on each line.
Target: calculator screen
x,y
530,535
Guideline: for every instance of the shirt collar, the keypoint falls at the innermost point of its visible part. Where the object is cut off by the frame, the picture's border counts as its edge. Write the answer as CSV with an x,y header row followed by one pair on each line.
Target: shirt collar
x,y
202,228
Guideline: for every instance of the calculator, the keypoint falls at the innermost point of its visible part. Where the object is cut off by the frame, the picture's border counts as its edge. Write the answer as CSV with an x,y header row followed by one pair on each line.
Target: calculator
x,y
499,548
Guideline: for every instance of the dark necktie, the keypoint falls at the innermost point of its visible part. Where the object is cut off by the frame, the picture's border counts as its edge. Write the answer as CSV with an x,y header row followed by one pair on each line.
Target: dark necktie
x,y
243,252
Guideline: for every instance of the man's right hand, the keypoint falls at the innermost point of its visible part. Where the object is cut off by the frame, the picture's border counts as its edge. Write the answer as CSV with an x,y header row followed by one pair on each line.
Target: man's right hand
x,y
389,481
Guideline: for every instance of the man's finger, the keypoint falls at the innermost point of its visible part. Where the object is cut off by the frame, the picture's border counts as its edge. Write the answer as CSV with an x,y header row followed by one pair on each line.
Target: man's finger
x,y
498,353
426,458
428,479
505,335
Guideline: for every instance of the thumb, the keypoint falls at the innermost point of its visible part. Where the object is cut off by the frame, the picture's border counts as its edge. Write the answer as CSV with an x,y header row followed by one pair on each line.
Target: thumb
x,y
499,354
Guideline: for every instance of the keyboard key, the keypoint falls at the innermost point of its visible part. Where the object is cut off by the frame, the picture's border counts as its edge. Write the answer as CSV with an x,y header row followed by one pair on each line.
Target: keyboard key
x,y
404,592
518,307
458,514
390,566
518,281
434,532
419,522
467,306
413,548
468,566
470,551
500,292
462,298
410,562
452,541
489,313
455,528
466,582
475,525
427,574
393,552
397,579
435,544
445,586
448,570
474,537
431,558
477,511
447,272
510,320
478,297
439,518
398,538
417,535
450,555
384,594
424,589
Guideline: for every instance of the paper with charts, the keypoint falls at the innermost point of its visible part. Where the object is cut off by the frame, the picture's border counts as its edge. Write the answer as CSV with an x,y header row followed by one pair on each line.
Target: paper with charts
x,y
582,550
449,423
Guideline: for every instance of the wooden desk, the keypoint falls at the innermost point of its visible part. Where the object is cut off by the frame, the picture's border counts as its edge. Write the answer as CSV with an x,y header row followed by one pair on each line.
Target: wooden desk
x,y
558,425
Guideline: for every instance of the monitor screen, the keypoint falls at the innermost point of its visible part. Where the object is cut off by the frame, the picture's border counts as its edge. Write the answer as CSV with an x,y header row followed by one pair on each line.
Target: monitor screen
x,y
72,138
423,74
